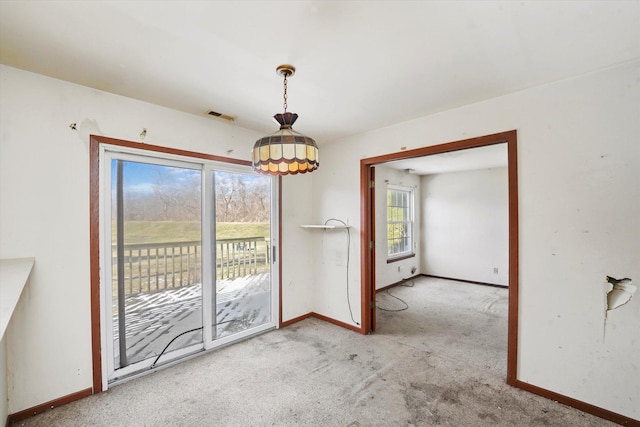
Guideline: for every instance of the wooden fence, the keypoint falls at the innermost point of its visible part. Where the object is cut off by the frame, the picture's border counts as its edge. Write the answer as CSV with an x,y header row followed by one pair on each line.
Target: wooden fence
x,y
152,267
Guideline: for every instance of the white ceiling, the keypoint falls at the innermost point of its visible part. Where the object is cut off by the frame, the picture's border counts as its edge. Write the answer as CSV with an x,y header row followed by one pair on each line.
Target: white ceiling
x,y
492,156
360,65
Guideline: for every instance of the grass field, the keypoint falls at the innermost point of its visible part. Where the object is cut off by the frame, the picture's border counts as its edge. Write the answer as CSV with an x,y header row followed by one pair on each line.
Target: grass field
x,y
183,231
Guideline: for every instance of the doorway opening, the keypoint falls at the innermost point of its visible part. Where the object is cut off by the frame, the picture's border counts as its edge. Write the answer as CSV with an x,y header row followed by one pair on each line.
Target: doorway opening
x,y
368,235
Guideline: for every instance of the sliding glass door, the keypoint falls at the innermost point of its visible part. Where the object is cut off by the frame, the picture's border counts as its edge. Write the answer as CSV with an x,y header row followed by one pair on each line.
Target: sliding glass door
x,y
243,253
189,256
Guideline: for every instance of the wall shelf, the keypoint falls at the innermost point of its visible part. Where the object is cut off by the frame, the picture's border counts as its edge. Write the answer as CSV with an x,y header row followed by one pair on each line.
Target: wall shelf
x,y
15,275
325,227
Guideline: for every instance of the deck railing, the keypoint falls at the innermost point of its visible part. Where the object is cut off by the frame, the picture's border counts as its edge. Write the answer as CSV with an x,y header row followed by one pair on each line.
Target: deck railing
x,y
152,267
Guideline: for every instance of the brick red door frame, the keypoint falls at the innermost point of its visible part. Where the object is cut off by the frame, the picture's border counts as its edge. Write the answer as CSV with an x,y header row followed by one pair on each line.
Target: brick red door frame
x,y
367,218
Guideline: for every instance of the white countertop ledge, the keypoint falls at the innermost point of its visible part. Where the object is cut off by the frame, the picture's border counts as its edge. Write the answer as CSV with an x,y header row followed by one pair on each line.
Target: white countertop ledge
x,y
14,275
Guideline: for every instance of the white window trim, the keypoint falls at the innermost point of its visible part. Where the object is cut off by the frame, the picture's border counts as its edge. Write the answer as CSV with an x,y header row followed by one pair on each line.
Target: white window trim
x,y
411,222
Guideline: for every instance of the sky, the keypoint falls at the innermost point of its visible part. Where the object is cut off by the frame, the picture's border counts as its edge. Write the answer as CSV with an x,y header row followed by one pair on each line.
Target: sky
x,y
141,177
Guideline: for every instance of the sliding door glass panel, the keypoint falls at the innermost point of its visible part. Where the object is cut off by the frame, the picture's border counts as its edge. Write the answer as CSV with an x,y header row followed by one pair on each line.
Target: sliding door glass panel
x,y
155,260
242,298
189,261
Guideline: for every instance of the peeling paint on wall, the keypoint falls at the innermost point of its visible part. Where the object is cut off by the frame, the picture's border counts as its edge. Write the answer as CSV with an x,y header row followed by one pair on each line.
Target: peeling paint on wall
x,y
87,128
619,293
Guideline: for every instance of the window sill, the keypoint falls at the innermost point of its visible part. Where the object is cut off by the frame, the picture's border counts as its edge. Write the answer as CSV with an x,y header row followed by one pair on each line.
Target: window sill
x,y
400,258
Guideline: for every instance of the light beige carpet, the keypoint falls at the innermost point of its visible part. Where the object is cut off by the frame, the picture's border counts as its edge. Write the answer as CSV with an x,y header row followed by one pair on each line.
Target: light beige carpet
x,y
439,362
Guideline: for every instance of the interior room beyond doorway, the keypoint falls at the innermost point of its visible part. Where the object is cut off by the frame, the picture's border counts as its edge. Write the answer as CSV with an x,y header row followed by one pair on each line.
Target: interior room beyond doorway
x,y
377,231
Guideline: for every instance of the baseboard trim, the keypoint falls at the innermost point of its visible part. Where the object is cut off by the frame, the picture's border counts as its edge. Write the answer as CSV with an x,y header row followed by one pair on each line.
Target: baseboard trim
x,y
323,318
384,288
295,320
26,413
578,404
337,322
466,281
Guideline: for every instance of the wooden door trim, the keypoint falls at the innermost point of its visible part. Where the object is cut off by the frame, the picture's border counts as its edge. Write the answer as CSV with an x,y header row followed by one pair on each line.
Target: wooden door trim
x,y
367,219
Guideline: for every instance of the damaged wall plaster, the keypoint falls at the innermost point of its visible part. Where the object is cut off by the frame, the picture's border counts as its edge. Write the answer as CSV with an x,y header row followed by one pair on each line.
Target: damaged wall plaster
x,y
87,128
619,292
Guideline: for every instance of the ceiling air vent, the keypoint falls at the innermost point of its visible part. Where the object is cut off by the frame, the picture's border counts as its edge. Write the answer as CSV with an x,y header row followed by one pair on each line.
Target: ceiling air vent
x,y
220,115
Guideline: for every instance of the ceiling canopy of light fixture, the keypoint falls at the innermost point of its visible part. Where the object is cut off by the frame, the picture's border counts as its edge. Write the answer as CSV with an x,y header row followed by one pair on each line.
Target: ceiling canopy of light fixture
x,y
285,152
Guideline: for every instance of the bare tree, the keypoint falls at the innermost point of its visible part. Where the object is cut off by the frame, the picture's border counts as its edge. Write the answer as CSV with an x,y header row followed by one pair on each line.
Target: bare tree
x,y
178,197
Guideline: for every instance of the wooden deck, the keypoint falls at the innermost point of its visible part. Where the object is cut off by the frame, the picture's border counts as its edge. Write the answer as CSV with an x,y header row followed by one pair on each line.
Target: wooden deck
x,y
154,319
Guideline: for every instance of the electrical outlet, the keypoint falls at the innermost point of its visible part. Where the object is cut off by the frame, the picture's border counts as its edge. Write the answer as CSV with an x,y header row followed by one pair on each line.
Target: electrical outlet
x,y
495,270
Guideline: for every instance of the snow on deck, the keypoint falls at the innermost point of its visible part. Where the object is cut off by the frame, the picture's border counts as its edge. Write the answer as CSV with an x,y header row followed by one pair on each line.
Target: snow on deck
x,y
154,319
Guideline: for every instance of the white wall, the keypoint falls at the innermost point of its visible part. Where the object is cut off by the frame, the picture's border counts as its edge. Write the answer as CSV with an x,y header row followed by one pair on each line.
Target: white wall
x,y
465,225
44,213
387,274
579,201
3,381
335,192
297,255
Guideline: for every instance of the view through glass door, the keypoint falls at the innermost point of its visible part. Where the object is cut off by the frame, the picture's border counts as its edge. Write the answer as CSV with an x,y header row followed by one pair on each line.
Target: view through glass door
x,y
242,297
182,234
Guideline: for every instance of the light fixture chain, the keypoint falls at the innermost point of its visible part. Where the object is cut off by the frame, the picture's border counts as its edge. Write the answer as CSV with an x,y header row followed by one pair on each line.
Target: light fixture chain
x,y
285,93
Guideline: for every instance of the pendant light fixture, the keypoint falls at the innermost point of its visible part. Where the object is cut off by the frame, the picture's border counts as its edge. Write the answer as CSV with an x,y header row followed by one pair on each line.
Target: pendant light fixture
x,y
285,152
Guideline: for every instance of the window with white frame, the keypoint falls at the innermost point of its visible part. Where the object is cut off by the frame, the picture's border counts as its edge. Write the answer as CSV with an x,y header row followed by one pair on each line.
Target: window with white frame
x,y
399,221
